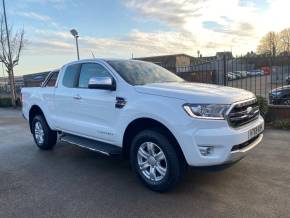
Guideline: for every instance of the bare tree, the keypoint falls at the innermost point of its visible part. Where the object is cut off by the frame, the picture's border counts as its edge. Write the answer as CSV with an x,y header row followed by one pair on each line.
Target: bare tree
x,y
13,42
284,41
268,44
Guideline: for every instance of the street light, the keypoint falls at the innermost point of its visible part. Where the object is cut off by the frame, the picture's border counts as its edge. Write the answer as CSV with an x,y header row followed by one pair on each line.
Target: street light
x,y
75,34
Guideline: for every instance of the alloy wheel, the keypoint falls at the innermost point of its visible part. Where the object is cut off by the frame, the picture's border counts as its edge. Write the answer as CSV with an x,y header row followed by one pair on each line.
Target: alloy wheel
x,y
39,133
152,161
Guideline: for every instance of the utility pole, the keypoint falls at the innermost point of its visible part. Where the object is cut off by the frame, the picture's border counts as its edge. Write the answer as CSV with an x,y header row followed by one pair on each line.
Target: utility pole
x,y
10,67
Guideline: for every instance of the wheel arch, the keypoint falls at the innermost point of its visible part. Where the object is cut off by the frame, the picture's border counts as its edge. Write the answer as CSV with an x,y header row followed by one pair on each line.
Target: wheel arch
x,y
139,124
34,110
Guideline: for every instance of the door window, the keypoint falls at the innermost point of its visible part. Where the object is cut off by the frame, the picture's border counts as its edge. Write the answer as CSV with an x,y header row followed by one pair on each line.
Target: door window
x,y
52,80
71,76
90,70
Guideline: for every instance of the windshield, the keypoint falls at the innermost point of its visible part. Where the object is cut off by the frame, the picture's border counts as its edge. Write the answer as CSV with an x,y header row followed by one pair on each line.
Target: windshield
x,y
140,72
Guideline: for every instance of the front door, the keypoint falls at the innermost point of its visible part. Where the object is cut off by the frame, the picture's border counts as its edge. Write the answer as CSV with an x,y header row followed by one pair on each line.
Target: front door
x,y
95,108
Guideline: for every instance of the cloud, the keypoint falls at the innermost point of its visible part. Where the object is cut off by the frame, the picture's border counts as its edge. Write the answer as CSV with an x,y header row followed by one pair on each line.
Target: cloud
x,y
35,16
52,44
58,4
205,25
137,42
45,19
172,12
224,23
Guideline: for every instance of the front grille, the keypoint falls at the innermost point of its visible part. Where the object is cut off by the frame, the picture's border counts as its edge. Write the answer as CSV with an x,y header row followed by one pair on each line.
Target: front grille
x,y
243,113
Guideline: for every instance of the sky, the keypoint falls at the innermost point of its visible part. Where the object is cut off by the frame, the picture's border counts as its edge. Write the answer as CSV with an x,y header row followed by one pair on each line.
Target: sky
x,y
120,28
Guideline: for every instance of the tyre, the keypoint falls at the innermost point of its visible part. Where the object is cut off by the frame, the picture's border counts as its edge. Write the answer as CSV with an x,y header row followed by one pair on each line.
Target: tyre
x,y
286,101
156,161
43,136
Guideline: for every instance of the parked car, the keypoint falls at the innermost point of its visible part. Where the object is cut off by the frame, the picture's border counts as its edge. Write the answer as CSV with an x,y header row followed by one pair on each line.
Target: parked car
x,y
241,74
144,112
231,76
255,73
280,95
288,80
266,70
237,74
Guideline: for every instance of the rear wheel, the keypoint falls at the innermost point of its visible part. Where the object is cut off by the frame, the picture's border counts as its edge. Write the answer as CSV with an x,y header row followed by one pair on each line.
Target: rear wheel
x,y
155,160
287,101
43,136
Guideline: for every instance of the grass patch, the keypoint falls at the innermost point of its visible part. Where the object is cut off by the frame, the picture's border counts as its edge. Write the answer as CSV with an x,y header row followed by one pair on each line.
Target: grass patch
x,y
5,102
281,124
263,106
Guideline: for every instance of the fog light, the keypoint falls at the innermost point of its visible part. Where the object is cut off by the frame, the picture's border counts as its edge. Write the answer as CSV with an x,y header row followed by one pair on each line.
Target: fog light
x,y
205,150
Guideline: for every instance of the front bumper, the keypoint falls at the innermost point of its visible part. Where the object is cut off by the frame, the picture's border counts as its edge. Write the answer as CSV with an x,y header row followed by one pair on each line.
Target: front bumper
x,y
241,153
221,137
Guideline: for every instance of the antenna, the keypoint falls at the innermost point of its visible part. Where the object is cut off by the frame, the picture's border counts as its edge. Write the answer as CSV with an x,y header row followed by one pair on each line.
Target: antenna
x,y
93,55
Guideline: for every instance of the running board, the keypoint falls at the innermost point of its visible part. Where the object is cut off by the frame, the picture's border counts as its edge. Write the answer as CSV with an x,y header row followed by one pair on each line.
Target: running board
x,y
93,145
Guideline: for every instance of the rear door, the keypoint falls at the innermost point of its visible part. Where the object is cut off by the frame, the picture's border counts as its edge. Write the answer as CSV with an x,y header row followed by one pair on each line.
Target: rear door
x,y
48,90
65,115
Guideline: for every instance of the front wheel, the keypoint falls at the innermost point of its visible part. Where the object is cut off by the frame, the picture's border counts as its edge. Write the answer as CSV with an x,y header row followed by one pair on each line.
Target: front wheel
x,y
43,136
155,160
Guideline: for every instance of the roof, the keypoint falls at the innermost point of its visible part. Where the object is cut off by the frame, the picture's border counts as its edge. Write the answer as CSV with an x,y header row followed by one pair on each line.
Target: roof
x,y
164,56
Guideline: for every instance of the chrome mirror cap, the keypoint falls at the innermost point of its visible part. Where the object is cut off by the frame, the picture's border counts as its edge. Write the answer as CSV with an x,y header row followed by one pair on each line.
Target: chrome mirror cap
x,y
106,83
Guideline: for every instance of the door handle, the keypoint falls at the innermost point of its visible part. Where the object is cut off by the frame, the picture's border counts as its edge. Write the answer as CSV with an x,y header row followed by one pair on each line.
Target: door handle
x,y
77,97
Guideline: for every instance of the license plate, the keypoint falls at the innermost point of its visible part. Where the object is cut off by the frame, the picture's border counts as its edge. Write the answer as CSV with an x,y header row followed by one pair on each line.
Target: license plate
x,y
255,131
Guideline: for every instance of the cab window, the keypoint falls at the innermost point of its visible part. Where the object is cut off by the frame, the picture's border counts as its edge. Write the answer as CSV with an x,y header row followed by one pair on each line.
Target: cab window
x,y
90,70
52,80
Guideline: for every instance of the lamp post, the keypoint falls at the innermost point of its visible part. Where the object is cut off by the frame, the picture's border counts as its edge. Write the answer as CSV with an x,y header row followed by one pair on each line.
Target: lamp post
x,y
75,34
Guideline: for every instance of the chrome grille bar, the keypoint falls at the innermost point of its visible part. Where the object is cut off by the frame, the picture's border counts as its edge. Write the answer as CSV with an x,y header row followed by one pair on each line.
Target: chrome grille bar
x,y
243,112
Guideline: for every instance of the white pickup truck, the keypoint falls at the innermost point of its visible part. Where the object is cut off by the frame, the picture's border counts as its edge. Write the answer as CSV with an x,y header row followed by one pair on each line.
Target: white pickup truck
x,y
144,112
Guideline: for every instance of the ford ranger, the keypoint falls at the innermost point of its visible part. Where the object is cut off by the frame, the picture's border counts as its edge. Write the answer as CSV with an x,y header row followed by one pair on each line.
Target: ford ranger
x,y
145,113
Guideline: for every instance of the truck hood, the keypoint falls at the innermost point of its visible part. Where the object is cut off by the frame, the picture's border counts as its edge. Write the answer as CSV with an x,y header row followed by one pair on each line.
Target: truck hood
x,y
196,92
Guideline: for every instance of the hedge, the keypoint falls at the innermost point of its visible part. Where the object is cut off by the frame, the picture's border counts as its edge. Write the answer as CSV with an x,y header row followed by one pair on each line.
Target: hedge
x,y
6,102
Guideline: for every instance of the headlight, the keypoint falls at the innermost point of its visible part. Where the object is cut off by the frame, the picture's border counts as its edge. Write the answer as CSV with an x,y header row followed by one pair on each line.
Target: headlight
x,y
206,111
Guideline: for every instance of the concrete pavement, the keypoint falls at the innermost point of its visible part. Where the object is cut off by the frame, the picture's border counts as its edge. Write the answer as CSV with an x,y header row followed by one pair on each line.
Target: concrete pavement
x,y
73,182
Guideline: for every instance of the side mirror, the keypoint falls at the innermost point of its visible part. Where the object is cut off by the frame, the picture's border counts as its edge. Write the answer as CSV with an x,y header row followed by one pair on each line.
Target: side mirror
x,y
106,83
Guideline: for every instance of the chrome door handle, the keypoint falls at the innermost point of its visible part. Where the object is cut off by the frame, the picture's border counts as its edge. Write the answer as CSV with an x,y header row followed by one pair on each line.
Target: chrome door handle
x,y
77,97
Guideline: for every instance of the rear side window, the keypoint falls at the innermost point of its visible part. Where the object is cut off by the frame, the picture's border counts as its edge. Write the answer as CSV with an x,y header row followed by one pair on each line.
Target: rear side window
x,y
90,70
52,80
70,76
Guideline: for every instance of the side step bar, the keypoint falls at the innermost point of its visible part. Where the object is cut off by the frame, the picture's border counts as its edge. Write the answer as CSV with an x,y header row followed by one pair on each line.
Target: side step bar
x,y
93,145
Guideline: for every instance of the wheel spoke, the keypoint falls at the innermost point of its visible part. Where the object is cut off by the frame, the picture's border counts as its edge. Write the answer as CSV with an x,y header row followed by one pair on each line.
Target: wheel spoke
x,y
160,156
150,148
143,153
152,173
161,170
144,165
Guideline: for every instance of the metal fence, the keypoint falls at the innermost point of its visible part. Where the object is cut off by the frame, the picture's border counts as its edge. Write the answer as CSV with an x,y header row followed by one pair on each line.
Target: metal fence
x,y
259,75
30,80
